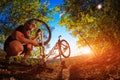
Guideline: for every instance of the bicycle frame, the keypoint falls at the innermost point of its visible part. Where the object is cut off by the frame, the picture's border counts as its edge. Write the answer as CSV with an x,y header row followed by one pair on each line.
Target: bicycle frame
x,y
56,46
61,46
40,38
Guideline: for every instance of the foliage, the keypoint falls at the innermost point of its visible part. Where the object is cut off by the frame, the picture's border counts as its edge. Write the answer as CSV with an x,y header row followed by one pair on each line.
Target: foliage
x,y
98,28
16,12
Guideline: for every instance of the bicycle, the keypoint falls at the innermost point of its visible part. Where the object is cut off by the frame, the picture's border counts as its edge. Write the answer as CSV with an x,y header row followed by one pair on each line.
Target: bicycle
x,y
62,46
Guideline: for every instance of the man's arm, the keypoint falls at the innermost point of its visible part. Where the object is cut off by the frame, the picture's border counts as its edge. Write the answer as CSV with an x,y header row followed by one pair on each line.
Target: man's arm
x,y
20,37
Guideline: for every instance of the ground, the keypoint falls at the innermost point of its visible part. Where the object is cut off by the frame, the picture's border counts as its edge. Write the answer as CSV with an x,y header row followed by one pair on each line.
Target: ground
x,y
84,67
103,67
37,71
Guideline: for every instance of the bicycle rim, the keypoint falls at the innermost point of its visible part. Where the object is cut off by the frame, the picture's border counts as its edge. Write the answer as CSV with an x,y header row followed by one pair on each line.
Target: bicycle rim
x,y
48,30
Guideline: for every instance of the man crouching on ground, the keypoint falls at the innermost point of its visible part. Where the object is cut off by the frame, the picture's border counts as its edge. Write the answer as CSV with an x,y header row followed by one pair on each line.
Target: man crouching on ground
x,y
18,42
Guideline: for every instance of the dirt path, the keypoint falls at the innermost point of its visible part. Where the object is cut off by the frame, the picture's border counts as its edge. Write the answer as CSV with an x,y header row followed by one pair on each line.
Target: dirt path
x,y
53,71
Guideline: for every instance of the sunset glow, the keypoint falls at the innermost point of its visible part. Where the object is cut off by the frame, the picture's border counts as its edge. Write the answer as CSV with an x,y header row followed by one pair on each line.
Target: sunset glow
x,y
84,50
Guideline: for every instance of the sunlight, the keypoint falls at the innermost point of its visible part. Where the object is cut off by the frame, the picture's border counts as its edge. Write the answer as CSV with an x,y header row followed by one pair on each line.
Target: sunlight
x,y
99,6
85,50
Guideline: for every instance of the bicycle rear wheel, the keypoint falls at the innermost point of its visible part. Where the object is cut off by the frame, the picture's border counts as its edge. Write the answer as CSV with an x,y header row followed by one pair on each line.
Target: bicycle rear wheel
x,y
45,28
65,48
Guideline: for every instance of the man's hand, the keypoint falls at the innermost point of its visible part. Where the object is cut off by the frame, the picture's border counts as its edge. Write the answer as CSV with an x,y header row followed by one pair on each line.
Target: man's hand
x,y
37,34
35,43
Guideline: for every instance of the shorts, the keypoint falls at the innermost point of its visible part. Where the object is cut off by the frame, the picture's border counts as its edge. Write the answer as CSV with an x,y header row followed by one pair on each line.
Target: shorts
x,y
7,42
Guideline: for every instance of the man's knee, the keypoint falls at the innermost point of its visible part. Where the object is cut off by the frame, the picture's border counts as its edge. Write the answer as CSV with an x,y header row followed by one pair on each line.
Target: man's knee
x,y
15,48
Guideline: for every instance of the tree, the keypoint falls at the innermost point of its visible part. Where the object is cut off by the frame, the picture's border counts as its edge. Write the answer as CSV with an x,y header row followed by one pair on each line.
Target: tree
x,y
98,28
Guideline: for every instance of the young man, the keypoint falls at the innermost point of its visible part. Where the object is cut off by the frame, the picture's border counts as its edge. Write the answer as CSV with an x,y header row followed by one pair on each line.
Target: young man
x,y
18,42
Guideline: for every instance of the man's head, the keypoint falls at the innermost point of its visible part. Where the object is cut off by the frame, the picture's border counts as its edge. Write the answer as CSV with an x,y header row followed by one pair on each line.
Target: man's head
x,y
30,24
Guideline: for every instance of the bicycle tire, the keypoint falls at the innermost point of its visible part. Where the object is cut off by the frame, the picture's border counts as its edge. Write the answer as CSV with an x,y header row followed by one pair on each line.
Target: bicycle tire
x,y
48,29
63,46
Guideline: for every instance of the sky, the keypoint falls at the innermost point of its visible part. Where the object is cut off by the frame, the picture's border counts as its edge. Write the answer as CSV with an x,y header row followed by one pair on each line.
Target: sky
x,y
61,30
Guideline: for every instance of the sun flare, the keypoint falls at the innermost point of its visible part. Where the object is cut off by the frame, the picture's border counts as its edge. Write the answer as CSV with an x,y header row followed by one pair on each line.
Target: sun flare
x,y
84,50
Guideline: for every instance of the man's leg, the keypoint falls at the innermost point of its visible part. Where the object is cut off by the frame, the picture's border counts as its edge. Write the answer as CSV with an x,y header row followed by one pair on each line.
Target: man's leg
x,y
26,55
14,48
27,50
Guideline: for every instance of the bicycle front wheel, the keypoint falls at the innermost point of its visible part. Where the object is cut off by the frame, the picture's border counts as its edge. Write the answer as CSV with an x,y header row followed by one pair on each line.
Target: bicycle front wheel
x,y
65,48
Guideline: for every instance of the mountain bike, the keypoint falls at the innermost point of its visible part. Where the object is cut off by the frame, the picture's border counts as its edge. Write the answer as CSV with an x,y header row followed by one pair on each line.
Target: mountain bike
x,y
61,49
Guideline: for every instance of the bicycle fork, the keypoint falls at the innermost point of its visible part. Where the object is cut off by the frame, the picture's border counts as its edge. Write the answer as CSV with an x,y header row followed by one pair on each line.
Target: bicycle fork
x,y
40,37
